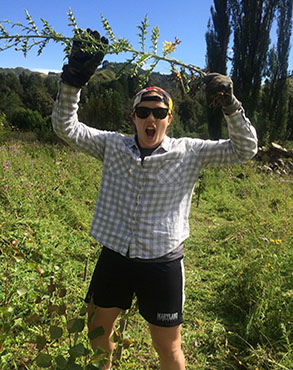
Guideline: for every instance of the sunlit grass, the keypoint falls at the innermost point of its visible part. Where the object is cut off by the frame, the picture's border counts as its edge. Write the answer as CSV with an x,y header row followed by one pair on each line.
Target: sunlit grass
x,y
238,261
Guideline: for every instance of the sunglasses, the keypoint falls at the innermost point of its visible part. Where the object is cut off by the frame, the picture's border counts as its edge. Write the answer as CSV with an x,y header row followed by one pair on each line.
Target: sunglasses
x,y
144,112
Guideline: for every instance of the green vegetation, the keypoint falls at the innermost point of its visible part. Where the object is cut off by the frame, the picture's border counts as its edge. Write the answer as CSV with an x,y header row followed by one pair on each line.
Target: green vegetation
x,y
238,261
26,100
254,60
259,70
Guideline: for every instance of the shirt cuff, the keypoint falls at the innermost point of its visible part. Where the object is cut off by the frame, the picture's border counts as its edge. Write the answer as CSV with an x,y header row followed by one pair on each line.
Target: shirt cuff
x,y
232,108
68,88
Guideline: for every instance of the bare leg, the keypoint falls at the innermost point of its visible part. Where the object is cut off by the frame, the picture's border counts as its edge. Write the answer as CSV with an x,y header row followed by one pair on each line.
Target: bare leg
x,y
167,342
105,317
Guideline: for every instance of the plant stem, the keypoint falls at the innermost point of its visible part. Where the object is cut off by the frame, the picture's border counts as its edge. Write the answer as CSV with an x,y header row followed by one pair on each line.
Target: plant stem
x,y
177,62
19,37
64,39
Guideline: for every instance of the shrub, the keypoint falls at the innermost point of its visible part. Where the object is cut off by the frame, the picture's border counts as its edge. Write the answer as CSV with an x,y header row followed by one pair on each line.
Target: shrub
x,y
27,119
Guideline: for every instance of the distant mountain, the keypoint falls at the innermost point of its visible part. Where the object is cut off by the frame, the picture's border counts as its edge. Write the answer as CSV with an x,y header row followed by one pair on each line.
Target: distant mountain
x,y
106,72
114,67
156,78
17,70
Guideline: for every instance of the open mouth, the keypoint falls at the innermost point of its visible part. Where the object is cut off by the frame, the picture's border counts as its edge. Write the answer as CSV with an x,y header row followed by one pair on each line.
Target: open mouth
x,y
150,132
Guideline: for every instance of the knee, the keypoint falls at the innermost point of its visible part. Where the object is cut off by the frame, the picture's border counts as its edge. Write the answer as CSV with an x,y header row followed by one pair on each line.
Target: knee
x,y
166,349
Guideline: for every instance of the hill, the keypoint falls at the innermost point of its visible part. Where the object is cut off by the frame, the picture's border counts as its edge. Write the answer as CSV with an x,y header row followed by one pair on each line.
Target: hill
x,y
17,70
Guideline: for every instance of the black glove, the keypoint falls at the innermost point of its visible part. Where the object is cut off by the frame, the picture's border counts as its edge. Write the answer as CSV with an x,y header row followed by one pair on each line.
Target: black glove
x,y
82,65
219,91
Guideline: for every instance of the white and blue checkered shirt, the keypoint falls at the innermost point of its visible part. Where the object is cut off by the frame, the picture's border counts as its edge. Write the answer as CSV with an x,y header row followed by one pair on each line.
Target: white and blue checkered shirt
x,y
142,208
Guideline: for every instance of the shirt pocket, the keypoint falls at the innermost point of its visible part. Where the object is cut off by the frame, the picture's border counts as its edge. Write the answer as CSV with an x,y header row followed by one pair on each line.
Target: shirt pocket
x,y
170,172
119,164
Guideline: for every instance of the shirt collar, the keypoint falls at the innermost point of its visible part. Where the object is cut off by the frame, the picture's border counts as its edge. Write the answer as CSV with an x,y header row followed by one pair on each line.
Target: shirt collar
x,y
166,143
131,143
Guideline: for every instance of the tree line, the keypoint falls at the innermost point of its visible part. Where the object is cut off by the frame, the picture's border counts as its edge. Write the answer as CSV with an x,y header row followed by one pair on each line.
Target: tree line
x,y
27,98
259,71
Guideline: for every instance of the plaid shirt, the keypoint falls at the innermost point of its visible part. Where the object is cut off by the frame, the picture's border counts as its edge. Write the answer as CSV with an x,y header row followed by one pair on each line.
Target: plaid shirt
x,y
142,208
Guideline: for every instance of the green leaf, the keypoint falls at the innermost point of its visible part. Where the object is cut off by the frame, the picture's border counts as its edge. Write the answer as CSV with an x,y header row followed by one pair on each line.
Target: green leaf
x,y
155,37
73,366
43,360
61,309
19,257
108,29
130,364
77,350
61,362
95,333
41,342
143,32
52,308
55,332
127,342
31,265
75,325
62,292
32,319
116,336
22,291
6,309
100,359
83,310
6,328
90,367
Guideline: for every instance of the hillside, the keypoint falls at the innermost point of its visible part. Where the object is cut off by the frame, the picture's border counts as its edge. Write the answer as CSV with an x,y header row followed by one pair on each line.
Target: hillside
x,y
17,71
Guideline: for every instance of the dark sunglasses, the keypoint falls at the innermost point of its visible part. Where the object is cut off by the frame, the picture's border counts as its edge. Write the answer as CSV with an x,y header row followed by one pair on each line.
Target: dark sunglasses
x,y
144,112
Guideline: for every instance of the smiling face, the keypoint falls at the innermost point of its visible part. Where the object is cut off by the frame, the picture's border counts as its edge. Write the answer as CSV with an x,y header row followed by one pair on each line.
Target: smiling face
x,y
151,131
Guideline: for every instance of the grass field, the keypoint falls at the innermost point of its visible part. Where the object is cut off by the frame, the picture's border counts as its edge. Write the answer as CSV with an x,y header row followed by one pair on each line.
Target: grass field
x,y
238,262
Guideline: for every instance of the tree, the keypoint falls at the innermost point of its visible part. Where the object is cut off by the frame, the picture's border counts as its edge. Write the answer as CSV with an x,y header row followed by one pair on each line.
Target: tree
x,y
275,102
290,110
35,92
27,119
28,79
280,117
187,113
217,40
252,22
10,93
191,114
217,37
10,82
37,98
51,84
104,111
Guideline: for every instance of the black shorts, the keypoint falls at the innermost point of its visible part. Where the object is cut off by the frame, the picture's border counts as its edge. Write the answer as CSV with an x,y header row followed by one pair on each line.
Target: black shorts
x,y
158,286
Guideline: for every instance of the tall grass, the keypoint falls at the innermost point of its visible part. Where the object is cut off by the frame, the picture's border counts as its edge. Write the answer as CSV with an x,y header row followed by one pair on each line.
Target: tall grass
x,y
238,262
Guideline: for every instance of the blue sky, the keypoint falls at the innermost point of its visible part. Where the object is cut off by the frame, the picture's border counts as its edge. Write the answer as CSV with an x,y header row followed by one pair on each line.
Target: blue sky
x,y
187,20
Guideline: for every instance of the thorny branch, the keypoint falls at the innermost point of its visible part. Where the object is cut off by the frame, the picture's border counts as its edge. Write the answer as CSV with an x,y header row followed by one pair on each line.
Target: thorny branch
x,y
30,36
